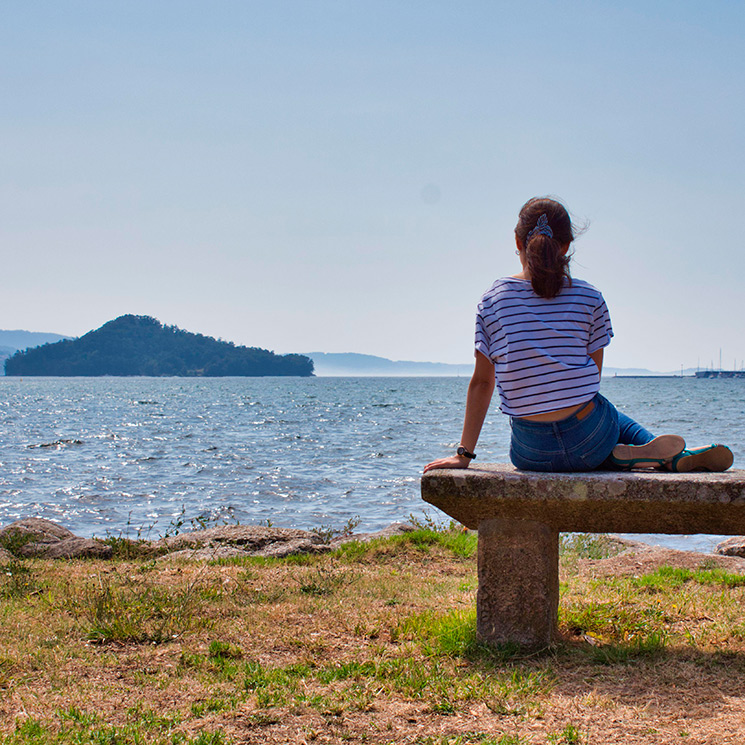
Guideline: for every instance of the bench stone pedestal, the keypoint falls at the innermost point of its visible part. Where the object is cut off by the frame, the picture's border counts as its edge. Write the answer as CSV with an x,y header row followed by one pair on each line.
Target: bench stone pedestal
x,y
519,515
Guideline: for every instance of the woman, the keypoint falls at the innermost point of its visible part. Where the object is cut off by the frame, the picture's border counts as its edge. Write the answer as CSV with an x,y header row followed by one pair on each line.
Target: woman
x,y
540,337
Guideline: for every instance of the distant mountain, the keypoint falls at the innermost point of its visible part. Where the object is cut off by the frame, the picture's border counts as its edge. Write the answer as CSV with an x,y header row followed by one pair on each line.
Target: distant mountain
x,y
141,345
14,340
351,364
325,364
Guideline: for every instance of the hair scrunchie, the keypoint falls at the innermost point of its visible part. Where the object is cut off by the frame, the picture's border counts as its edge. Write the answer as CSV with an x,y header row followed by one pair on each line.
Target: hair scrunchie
x,y
541,226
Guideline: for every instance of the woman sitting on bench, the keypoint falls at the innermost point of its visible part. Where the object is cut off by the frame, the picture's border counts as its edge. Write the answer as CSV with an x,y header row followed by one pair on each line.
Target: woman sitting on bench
x,y
540,336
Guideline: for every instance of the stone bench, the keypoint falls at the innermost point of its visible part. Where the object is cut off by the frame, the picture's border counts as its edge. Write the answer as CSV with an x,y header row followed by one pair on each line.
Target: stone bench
x,y
519,516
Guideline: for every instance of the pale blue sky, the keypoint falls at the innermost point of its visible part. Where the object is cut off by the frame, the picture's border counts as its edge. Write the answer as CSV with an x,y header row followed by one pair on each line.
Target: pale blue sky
x,y
345,176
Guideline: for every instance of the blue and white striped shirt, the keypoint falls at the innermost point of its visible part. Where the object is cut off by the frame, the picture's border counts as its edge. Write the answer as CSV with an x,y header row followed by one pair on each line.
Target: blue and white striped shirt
x,y
541,348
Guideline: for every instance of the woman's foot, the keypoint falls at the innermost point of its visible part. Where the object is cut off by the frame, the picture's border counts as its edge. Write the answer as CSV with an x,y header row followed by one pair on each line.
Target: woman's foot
x,y
658,452
709,458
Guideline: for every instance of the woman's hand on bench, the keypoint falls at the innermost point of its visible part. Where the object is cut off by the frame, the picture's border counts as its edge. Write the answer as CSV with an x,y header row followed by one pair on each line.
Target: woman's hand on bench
x,y
453,461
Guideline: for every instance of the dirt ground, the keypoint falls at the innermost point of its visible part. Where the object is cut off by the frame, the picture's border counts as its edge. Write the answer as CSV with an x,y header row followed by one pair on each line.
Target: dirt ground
x,y
346,649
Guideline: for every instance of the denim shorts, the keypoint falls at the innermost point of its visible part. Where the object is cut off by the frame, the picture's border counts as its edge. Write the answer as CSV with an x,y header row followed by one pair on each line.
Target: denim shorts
x,y
572,444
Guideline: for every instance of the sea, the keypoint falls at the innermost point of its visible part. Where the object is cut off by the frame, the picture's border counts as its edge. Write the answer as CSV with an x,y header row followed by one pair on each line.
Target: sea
x,y
144,457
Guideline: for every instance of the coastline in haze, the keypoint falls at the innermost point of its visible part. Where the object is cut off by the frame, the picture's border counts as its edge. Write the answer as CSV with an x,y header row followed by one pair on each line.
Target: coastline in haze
x,y
325,364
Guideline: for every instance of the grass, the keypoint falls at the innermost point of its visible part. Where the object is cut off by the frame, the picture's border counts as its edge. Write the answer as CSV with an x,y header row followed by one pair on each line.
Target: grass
x,y
667,577
122,608
13,540
373,643
73,726
17,579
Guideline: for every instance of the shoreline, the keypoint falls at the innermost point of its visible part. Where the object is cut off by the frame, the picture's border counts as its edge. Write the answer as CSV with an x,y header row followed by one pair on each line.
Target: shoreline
x,y
703,544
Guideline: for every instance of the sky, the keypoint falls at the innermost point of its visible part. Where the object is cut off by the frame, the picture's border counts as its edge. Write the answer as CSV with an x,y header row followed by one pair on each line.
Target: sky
x,y
345,176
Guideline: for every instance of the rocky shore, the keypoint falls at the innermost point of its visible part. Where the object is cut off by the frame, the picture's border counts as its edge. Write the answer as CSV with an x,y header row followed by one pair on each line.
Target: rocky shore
x,y
40,538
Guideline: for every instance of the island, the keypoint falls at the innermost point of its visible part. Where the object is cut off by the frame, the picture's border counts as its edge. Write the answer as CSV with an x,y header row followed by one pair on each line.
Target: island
x,y
142,345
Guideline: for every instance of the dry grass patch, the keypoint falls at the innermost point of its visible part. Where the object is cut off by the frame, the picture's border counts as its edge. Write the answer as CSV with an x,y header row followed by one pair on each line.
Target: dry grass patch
x,y
375,643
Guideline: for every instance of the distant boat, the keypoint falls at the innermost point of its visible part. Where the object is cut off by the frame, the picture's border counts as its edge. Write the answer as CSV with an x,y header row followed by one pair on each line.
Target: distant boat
x,y
720,373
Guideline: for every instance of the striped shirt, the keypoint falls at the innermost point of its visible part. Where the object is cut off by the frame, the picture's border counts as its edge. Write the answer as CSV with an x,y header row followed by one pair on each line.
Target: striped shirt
x,y
540,348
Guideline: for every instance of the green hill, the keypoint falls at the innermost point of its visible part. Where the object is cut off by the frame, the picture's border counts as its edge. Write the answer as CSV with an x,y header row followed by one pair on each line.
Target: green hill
x,y
141,345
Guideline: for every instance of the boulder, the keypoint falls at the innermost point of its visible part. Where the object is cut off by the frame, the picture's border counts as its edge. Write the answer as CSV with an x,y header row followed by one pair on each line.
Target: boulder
x,y
240,540
734,546
37,537
250,537
74,548
35,528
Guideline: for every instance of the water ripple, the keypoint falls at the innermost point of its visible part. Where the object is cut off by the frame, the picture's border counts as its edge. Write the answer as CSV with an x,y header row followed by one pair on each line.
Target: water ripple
x,y
106,454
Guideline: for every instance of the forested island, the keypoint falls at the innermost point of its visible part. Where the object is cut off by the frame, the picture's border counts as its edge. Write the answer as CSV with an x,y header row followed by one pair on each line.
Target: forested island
x,y
141,345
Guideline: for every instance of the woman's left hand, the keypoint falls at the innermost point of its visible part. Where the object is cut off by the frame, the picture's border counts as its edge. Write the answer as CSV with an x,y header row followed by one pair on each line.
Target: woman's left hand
x,y
454,461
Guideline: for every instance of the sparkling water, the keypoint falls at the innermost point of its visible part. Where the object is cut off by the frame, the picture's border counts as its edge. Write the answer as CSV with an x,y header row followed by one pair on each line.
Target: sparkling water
x,y
129,455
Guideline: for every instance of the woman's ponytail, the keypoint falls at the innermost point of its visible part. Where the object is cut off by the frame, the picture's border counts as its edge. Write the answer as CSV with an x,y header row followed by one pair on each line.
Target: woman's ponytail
x,y
547,265
544,229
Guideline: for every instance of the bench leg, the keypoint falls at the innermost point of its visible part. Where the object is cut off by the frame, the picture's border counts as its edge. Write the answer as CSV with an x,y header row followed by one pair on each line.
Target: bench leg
x,y
518,596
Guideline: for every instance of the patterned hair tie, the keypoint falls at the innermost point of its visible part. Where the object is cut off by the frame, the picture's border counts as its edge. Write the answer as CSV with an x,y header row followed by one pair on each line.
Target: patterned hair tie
x,y
541,226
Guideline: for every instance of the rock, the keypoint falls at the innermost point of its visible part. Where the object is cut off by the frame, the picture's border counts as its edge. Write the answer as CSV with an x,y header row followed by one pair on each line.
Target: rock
x,y
35,536
734,546
251,538
5,556
277,549
37,528
46,539
240,540
73,548
205,554
311,545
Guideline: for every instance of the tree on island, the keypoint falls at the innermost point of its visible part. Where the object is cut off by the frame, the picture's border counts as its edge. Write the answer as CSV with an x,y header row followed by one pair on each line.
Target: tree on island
x,y
141,345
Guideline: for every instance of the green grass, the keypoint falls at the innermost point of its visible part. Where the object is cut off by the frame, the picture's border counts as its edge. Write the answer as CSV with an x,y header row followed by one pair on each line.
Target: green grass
x,y
452,634
668,578
453,539
224,651
632,617
623,631
18,580
438,682
570,735
74,727
13,540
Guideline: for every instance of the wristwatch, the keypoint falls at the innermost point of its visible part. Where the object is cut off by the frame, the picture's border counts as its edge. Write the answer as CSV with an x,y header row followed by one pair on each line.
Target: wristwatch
x,y
462,451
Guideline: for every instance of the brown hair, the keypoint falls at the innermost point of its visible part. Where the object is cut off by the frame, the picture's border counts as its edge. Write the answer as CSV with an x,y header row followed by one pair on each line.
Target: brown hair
x,y
547,265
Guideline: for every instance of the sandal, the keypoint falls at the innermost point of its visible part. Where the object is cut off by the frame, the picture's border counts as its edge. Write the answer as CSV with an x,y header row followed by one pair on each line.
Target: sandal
x,y
709,458
658,452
